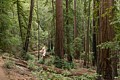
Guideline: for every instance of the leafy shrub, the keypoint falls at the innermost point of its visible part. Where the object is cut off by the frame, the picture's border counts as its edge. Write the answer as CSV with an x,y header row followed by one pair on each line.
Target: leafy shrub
x,y
66,72
44,75
49,61
68,65
31,65
28,57
86,77
9,64
41,61
60,63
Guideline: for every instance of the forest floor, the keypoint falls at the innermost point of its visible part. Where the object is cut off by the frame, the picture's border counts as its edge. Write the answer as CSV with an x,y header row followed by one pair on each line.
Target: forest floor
x,y
23,73
17,73
2,70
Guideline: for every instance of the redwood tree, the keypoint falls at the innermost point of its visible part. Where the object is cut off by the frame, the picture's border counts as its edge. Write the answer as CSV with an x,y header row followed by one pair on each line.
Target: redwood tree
x,y
95,25
69,56
104,66
77,53
59,30
87,32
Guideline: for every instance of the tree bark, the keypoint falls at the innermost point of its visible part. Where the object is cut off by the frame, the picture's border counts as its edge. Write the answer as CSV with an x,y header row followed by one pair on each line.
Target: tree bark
x,y
59,30
87,32
38,23
69,56
85,12
95,25
25,47
104,67
77,53
19,20
114,54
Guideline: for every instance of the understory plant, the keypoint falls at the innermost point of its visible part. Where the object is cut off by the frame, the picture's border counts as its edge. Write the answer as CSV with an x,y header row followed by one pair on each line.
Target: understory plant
x,y
9,64
60,63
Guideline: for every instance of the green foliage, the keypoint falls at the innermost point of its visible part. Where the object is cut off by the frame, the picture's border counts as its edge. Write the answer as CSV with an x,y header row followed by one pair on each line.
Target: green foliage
x,y
31,65
86,77
60,63
83,56
78,43
49,61
28,57
9,64
10,39
110,45
41,61
9,36
68,65
44,75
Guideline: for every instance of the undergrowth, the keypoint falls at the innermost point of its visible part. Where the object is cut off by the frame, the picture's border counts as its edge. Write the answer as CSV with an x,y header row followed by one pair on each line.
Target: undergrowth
x,y
60,63
9,64
45,75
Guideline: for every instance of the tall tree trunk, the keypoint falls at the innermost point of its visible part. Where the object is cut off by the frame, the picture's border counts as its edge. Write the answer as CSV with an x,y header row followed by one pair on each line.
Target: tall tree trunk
x,y
38,22
85,12
95,25
87,39
75,20
94,60
19,20
59,30
88,32
53,24
69,56
114,56
25,47
104,56
115,61
77,53
98,33
51,32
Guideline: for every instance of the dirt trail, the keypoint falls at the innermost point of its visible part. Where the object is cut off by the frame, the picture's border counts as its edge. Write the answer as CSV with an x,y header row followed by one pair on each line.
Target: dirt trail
x,y
2,73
